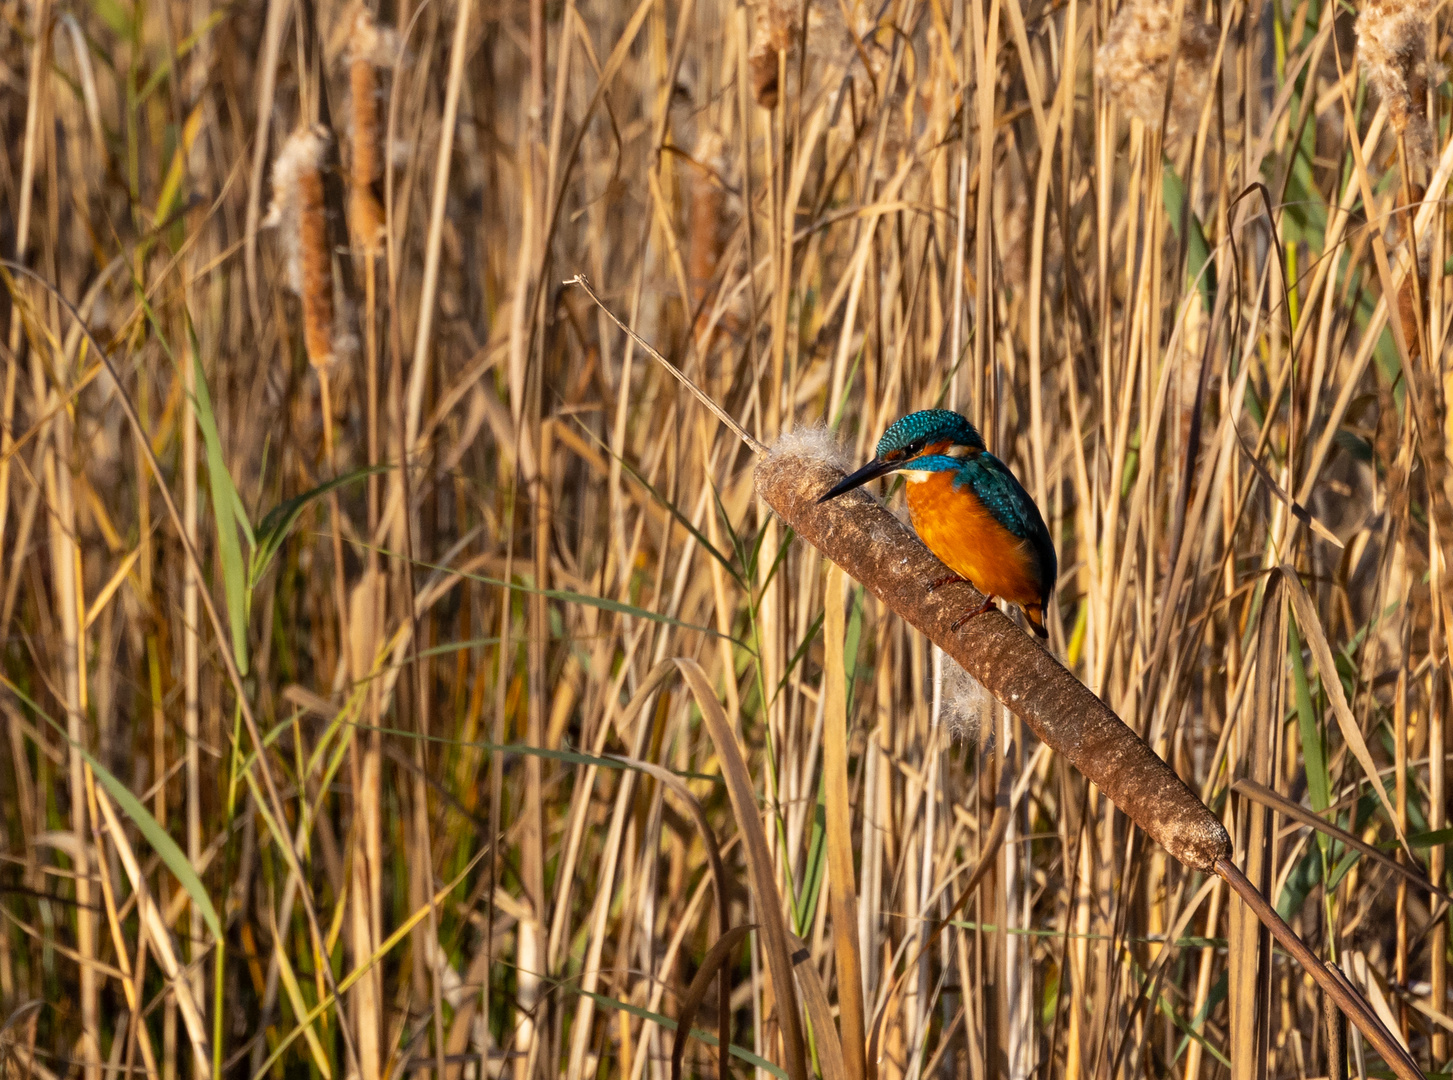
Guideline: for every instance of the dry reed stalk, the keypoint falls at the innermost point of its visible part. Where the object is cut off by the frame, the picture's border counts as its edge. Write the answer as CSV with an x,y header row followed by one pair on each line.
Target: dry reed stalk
x,y
65,555
298,210
839,833
878,550
369,49
36,70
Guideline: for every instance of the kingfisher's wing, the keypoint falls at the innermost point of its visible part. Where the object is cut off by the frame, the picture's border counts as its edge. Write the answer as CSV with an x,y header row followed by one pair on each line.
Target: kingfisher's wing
x,y
1001,493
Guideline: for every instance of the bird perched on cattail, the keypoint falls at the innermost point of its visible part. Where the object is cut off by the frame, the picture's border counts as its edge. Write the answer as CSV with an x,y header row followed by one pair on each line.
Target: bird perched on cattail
x,y
969,509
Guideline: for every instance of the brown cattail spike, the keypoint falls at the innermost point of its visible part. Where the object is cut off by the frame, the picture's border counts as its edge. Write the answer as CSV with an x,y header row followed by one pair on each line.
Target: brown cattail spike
x,y
298,211
1392,47
369,48
1134,63
706,217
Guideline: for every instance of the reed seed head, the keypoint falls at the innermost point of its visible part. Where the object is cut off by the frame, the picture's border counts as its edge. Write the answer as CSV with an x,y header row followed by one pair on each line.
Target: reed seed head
x,y
1134,61
298,212
772,33
370,47
704,251
839,32
1392,47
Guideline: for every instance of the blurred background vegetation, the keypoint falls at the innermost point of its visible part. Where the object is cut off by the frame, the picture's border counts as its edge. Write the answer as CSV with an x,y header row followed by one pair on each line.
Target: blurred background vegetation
x,y
306,765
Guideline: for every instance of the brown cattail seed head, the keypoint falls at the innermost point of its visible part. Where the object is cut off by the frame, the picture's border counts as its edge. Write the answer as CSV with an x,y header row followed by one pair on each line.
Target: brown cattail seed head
x,y
298,211
1392,47
706,210
1134,63
369,48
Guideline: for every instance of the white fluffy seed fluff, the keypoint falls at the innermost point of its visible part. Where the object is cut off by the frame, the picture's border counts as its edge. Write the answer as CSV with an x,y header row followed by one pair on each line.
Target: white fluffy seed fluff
x,y
1392,49
369,41
304,152
966,704
816,442
1134,63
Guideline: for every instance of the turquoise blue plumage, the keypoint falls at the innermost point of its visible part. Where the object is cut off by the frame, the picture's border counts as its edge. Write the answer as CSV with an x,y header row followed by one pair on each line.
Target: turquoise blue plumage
x,y
968,507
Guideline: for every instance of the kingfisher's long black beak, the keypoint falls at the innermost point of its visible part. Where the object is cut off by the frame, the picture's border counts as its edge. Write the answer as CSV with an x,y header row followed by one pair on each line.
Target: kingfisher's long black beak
x,y
871,471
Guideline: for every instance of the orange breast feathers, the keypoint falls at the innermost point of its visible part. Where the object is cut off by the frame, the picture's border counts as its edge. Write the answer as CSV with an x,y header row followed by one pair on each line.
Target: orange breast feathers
x,y
959,529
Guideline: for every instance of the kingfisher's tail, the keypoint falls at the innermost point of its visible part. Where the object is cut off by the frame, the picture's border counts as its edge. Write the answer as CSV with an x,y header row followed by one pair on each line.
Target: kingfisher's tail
x,y
1035,615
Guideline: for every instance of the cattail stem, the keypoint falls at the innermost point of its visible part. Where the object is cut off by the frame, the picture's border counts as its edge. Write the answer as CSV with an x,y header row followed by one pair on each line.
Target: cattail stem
x,y
1333,983
340,583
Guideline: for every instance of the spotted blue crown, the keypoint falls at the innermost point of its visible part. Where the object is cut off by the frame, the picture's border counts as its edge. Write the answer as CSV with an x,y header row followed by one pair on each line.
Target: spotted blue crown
x,y
926,428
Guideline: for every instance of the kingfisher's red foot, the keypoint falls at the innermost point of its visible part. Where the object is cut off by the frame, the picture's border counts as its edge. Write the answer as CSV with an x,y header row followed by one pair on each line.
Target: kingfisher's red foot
x,y
988,606
933,586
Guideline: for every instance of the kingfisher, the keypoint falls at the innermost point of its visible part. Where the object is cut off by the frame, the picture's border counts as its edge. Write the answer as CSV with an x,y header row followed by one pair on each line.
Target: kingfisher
x,y
969,510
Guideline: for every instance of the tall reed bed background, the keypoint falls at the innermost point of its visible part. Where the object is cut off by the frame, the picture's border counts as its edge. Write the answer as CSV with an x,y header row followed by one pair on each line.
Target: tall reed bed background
x,y
315,762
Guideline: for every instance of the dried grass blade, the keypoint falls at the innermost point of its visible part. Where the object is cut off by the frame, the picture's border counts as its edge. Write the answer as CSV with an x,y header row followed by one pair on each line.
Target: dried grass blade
x,y
1248,943
346,983
759,862
718,876
814,996
1311,628
1267,797
102,598
1332,981
295,999
701,395
717,958
161,939
1296,509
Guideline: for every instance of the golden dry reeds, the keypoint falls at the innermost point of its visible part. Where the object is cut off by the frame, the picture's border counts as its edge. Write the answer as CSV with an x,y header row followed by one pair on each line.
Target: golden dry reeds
x,y
500,725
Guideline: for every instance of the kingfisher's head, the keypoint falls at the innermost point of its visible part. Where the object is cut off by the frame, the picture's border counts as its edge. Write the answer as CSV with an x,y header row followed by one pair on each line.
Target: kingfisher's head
x,y
922,441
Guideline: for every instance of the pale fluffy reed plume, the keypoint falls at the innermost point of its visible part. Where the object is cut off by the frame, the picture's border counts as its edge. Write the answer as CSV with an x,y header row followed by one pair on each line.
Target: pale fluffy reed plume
x,y
1134,62
298,213
838,32
1392,47
370,48
773,31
